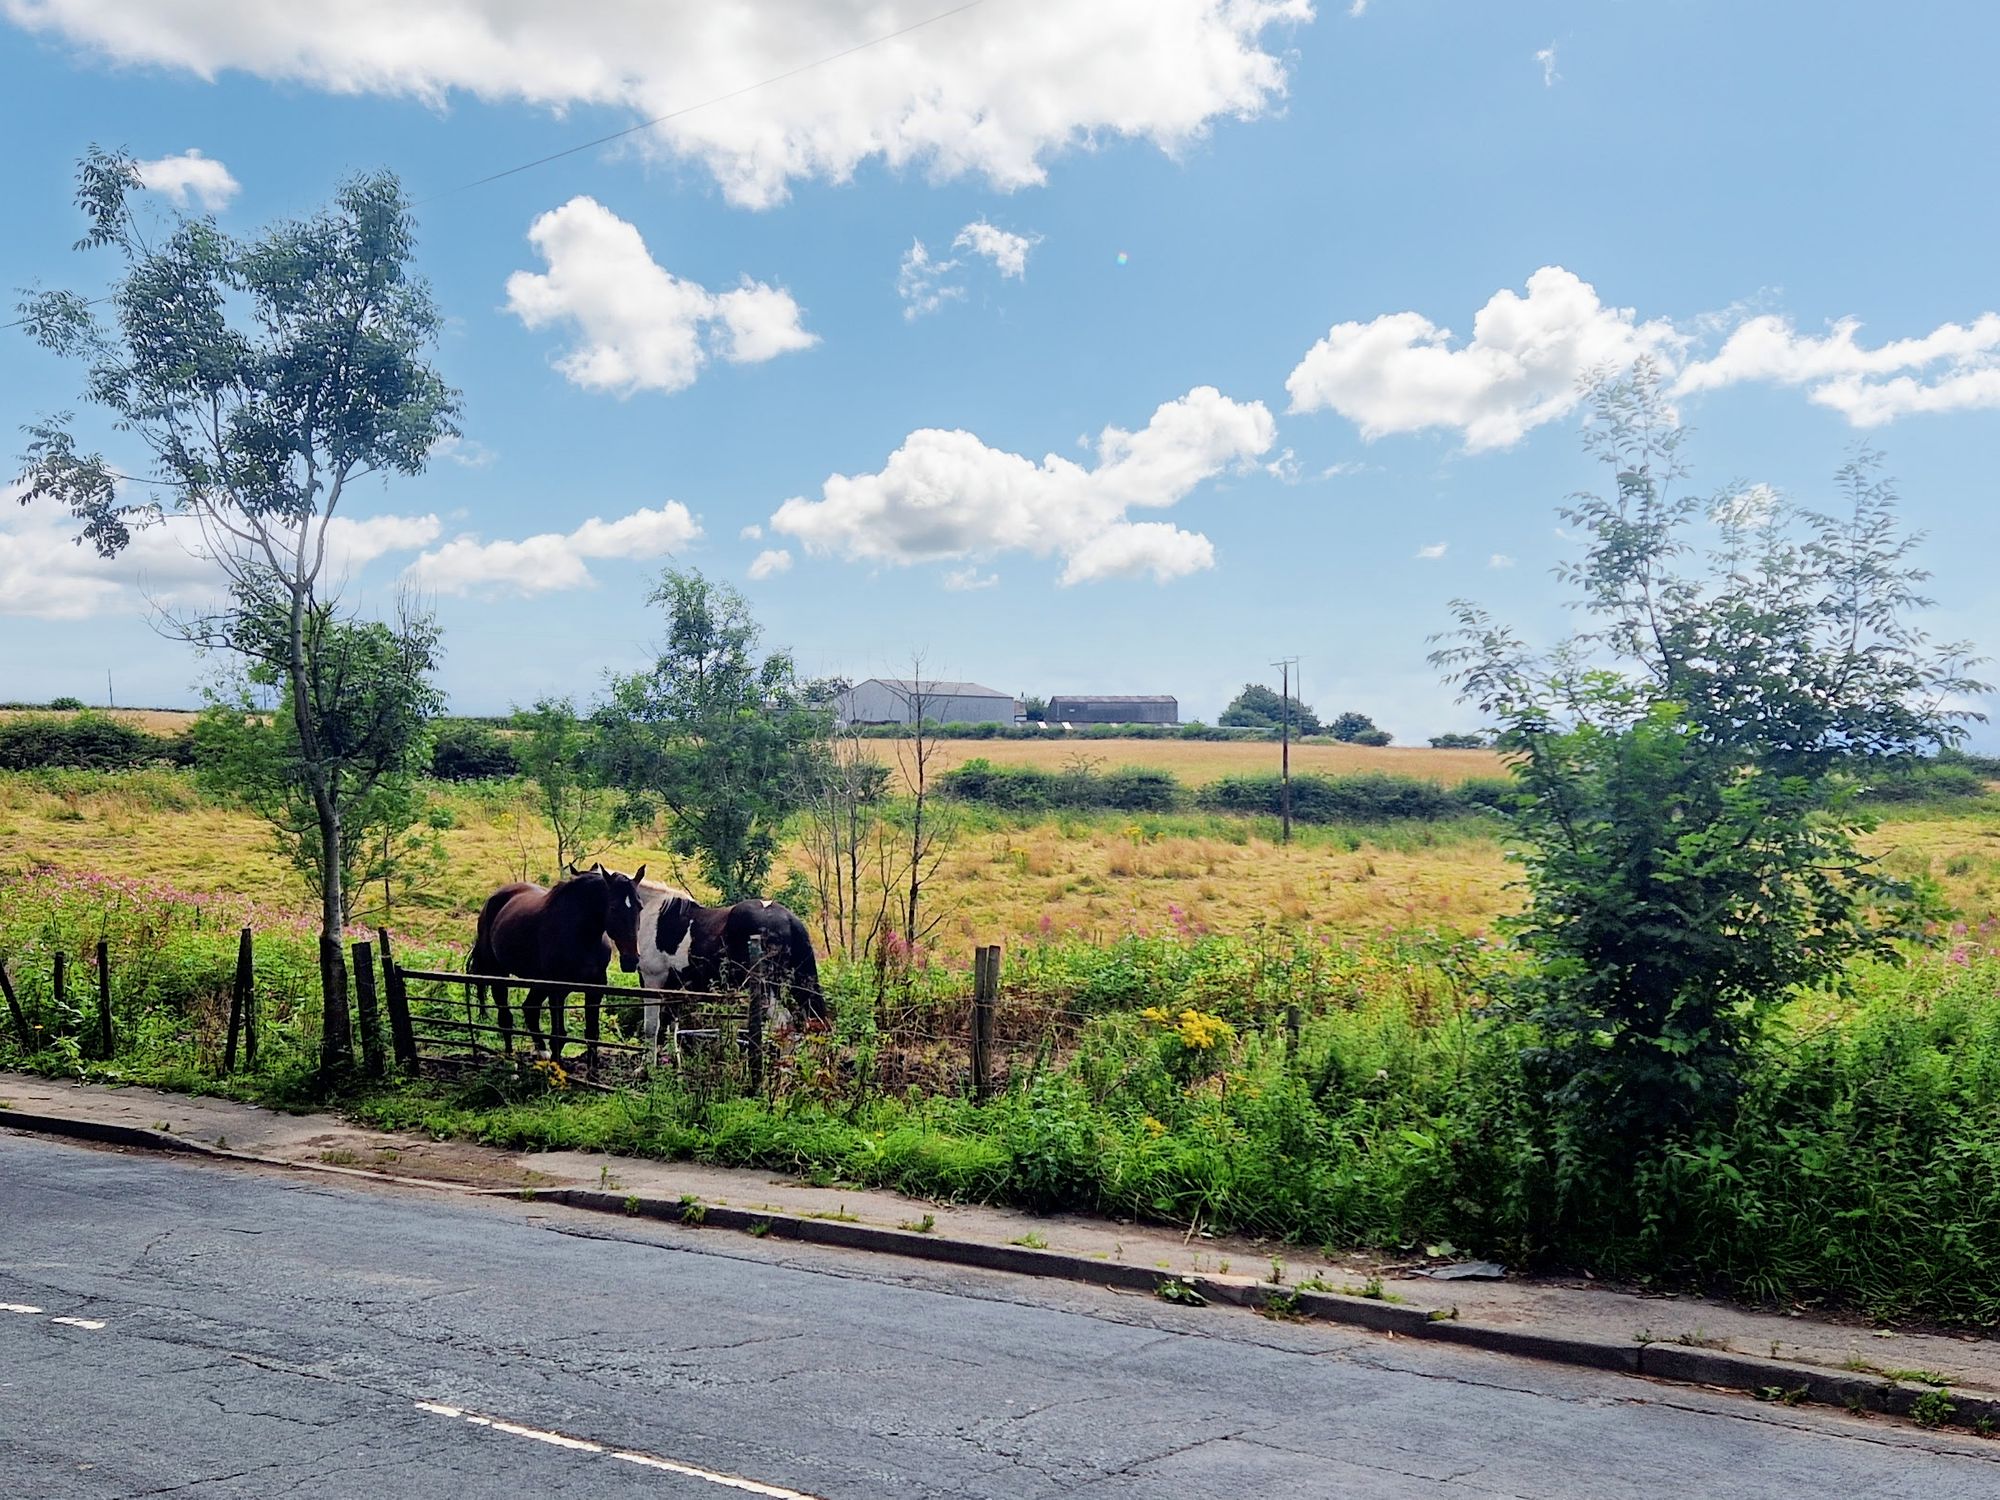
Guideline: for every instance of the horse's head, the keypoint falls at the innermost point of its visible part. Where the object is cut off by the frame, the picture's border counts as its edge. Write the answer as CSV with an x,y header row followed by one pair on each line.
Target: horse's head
x,y
670,931
622,900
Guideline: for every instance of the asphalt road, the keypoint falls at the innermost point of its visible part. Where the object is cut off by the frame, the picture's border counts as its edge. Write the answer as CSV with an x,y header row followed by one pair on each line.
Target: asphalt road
x,y
272,1335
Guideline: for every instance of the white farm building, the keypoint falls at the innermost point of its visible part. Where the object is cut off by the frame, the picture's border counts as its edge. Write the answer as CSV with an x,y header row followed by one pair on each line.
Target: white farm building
x,y
898,700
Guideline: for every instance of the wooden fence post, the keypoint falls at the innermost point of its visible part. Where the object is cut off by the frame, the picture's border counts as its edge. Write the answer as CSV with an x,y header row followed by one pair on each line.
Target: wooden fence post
x,y
59,983
14,1009
336,1036
1292,1027
106,1041
246,960
364,1004
985,995
754,1030
239,1003
402,1039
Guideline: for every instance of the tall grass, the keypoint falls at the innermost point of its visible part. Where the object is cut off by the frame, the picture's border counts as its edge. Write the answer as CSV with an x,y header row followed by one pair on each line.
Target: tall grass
x,y
1334,1092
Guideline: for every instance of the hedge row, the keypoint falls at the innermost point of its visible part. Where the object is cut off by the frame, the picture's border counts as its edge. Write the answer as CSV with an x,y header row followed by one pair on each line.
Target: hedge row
x,y
86,742
997,731
1315,798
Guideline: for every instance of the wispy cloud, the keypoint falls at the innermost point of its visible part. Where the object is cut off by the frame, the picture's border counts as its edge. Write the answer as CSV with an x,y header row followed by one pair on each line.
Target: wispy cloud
x,y
1431,553
190,176
1547,58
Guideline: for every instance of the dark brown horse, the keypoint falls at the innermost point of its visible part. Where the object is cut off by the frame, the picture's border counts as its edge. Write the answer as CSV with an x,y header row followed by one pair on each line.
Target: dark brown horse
x,y
556,939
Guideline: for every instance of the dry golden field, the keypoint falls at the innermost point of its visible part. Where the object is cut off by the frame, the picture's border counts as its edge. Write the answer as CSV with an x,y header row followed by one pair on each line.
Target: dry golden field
x,y
1096,877
1199,761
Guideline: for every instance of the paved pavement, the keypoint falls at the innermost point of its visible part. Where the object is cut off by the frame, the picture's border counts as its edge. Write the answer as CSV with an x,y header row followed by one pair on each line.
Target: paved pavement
x,y
235,1331
1551,1306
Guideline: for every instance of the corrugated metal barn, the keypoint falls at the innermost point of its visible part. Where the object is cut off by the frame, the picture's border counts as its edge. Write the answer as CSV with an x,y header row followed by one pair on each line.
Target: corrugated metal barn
x,y
894,700
1097,708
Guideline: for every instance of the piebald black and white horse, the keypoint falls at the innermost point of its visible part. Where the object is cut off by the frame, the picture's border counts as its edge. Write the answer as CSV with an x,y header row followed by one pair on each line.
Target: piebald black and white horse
x,y
684,945
556,938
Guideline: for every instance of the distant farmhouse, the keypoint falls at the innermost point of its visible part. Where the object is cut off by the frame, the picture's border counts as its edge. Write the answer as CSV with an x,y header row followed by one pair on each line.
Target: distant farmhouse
x,y
895,700
1083,708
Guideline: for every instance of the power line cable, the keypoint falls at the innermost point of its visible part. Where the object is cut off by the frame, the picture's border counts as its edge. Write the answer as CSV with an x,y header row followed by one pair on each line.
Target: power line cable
x,y
603,140
831,57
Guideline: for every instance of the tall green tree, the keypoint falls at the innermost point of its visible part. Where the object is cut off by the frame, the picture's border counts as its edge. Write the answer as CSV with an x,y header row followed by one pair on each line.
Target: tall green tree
x,y
1688,768
718,734
1260,707
250,383
374,699
556,749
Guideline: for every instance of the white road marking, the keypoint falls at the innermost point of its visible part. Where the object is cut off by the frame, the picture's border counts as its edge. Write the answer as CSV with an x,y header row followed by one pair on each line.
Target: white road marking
x,y
623,1455
80,1322
20,1307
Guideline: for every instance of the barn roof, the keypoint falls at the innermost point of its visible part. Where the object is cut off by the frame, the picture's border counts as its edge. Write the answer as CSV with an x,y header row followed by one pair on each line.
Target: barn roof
x,y
1113,698
907,685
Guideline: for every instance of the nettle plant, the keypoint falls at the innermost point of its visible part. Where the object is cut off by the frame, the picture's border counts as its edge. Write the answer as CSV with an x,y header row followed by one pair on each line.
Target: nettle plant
x,y
1688,767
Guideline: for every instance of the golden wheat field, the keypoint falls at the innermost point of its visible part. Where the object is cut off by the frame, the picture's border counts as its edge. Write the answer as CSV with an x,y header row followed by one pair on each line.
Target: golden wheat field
x,y
1198,761
1097,877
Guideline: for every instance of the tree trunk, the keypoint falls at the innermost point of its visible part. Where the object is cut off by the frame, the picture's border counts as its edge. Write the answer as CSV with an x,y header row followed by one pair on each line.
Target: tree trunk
x,y
336,1030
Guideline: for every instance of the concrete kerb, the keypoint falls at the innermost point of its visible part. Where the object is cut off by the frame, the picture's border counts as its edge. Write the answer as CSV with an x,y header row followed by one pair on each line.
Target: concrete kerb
x,y
1769,1379
100,1132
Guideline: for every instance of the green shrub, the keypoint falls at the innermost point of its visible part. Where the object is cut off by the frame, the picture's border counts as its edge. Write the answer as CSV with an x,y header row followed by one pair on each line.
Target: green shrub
x,y
1924,781
67,705
462,750
1333,799
83,742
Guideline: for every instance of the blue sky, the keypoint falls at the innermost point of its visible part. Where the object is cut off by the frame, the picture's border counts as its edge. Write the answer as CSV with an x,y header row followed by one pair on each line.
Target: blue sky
x,y
1241,232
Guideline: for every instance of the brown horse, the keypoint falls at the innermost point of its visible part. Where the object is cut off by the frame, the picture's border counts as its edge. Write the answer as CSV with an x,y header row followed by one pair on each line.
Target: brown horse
x,y
556,939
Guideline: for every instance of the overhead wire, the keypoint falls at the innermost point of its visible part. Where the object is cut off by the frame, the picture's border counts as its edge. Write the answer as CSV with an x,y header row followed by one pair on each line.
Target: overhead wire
x,y
657,120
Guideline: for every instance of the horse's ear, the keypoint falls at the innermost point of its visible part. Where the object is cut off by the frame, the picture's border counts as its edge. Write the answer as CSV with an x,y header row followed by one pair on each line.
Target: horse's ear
x,y
597,868
638,874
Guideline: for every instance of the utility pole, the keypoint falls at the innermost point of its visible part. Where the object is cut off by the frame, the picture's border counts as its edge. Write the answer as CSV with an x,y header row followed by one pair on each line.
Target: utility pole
x,y
1285,665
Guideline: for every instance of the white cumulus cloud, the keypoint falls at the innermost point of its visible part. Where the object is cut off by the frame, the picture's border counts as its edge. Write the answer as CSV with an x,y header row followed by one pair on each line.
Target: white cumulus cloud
x,y
770,562
1954,367
637,325
1499,560
1432,552
45,575
968,580
991,92
190,176
1530,356
554,560
945,495
1521,368
1008,251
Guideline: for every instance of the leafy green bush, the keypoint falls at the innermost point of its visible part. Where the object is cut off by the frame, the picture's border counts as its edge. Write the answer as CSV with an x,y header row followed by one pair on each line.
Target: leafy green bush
x,y
67,705
993,731
85,742
1333,799
463,750
1924,781
1374,798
